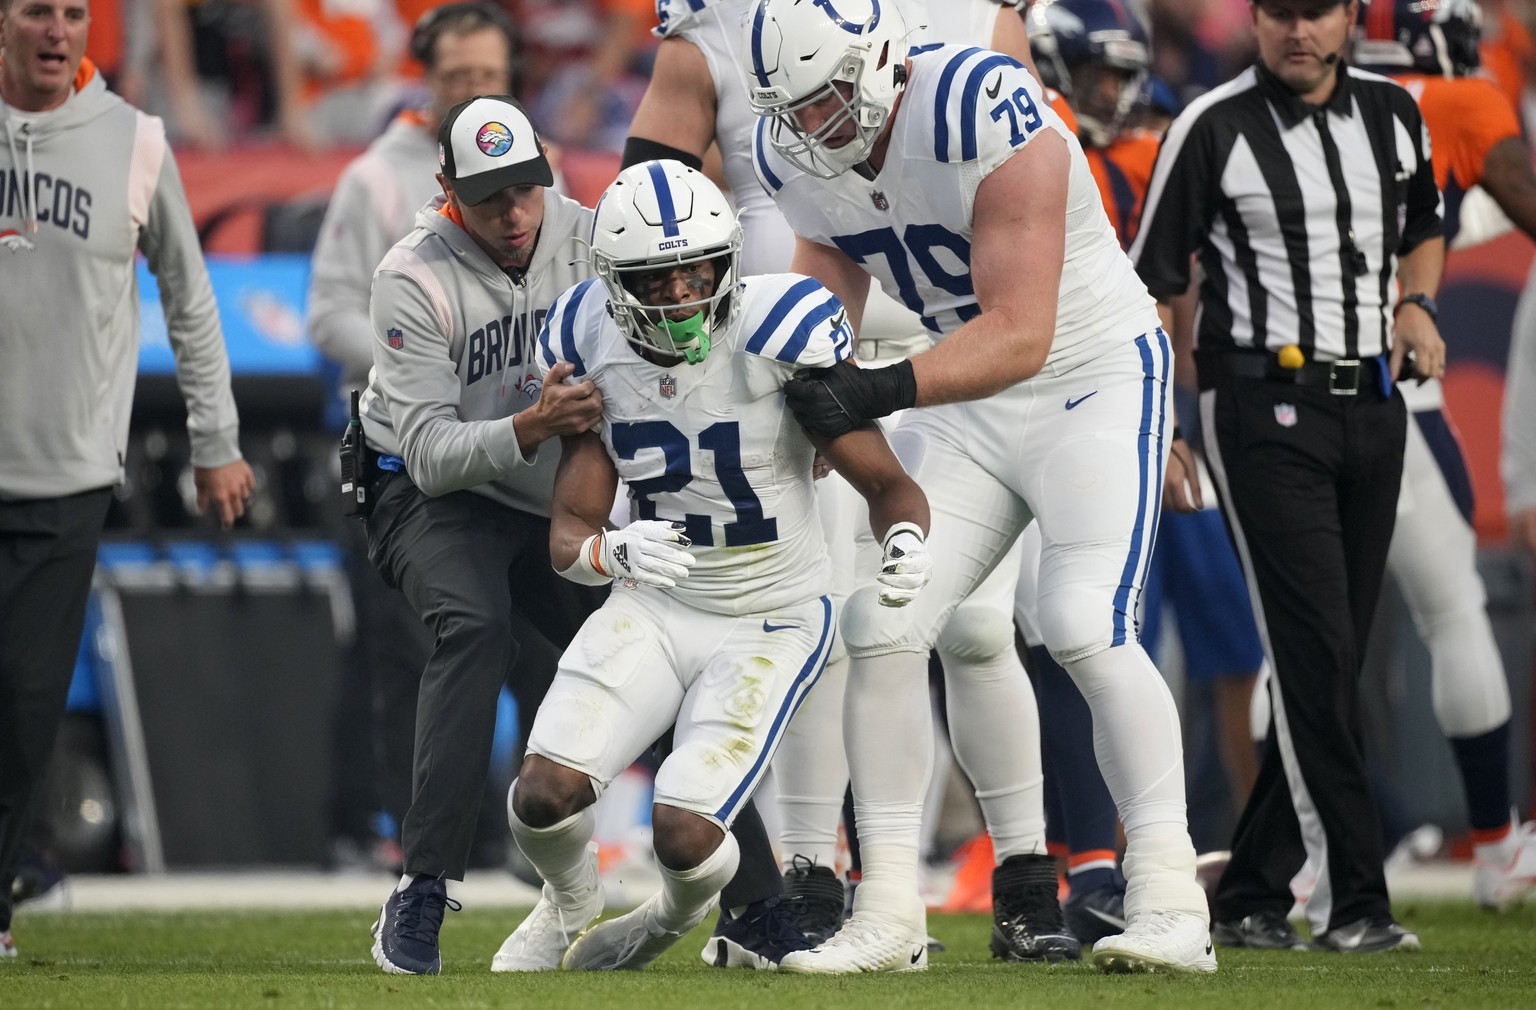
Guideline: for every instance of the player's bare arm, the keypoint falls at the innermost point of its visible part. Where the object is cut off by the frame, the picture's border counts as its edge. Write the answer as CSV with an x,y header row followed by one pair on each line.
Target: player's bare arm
x,y
840,274
678,109
1011,38
1018,242
1508,178
582,548
585,483
866,461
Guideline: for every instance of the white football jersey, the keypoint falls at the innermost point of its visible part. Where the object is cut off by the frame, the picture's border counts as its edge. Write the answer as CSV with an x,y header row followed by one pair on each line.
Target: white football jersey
x,y
964,112
714,445
715,27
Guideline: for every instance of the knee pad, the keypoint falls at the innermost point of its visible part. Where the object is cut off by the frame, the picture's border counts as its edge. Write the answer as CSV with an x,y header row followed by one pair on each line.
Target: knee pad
x,y
1076,623
872,630
976,633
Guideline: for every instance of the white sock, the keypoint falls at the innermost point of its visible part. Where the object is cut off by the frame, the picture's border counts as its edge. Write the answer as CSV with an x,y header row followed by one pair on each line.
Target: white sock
x,y
811,769
889,730
994,728
1159,869
687,895
1136,735
559,853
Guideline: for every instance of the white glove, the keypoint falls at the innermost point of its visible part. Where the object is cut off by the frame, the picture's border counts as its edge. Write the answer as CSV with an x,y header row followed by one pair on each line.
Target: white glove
x,y
906,566
651,552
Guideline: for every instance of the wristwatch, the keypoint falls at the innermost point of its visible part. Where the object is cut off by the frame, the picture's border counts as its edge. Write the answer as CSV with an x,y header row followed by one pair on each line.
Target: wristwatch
x,y
1423,301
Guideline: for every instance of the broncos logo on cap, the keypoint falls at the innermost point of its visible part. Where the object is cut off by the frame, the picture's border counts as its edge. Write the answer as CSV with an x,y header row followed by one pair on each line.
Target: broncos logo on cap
x,y
494,139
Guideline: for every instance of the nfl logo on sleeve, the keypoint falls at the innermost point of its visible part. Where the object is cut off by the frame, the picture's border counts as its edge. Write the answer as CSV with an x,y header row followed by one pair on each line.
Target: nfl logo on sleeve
x,y
668,386
396,337
1285,414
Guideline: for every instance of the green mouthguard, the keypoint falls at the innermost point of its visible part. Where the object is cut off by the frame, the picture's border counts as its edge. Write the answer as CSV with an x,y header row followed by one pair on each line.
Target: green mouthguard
x,y
689,336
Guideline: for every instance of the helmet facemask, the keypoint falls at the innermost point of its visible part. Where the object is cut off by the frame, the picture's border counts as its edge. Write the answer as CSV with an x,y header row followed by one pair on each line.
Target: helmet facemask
x,y
658,328
809,152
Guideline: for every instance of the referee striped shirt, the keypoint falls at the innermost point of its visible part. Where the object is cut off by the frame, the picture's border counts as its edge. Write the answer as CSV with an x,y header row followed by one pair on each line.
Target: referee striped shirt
x,y
1298,212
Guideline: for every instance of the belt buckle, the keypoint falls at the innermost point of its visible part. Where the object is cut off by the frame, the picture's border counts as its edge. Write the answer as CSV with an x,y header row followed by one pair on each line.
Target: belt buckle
x,y
1344,377
866,350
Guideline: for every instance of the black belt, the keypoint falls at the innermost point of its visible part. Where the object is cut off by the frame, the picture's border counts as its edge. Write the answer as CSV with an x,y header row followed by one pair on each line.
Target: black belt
x,y
1341,378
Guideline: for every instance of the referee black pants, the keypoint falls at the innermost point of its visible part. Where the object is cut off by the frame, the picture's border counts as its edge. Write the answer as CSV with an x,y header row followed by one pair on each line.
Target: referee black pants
x,y
1308,481
47,557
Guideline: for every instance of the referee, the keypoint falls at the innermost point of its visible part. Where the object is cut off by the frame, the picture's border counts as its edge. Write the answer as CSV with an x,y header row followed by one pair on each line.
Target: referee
x,y
1306,188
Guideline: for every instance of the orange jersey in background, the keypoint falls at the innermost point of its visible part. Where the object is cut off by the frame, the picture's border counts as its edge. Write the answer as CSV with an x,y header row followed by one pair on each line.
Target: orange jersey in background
x,y
1466,117
1123,171
1507,51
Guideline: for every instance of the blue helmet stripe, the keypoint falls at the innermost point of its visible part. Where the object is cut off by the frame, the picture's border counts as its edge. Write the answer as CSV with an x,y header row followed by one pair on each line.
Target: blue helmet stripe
x,y
941,119
969,98
758,68
669,226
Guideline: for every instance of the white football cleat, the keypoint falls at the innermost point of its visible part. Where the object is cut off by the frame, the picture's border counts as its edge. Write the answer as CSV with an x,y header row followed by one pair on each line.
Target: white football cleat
x,y
1498,887
627,943
541,940
1158,941
868,941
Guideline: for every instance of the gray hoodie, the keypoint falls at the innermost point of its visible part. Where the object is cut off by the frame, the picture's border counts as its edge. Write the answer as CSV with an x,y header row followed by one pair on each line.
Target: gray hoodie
x,y
454,338
82,187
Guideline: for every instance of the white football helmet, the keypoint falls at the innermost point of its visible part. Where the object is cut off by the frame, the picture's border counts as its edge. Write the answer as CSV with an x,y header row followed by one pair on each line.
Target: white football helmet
x,y
661,214
797,51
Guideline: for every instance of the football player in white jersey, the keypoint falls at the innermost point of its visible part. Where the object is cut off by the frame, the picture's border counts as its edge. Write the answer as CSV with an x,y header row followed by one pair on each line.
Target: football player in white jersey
x,y
697,96
973,201
723,621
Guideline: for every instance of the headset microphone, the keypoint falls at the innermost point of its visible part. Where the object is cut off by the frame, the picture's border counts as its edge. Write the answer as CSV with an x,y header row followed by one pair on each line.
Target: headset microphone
x,y
1331,59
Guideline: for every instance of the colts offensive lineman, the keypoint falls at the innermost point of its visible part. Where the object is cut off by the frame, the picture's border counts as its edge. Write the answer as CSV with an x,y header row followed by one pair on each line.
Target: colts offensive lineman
x,y
974,202
697,95
726,622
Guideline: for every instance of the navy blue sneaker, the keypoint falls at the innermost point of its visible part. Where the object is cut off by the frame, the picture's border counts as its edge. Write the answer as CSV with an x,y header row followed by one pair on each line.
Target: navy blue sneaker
x,y
405,937
816,897
758,938
1096,913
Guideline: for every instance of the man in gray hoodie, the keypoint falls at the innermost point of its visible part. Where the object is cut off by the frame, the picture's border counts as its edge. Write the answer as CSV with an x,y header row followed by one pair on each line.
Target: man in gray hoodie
x,y
86,181
455,413
465,49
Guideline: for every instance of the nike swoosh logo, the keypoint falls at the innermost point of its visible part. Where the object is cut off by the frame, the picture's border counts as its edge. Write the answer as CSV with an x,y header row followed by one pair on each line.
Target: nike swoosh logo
x,y
1208,948
1105,917
771,628
997,86
839,319
917,957
1080,399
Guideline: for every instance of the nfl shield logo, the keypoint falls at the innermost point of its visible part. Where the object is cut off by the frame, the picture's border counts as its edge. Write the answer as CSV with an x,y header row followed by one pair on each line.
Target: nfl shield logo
x,y
396,338
879,200
1285,414
668,386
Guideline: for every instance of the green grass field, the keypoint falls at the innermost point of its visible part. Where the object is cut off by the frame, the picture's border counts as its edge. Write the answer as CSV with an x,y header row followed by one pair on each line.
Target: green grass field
x,y
273,961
